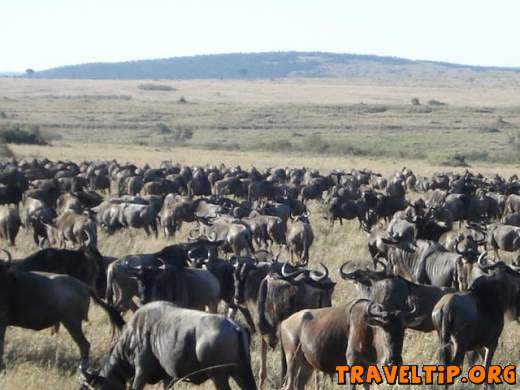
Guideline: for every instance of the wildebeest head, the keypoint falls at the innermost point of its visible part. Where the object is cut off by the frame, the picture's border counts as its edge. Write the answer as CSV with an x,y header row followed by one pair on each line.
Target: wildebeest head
x,y
146,277
389,291
318,286
242,267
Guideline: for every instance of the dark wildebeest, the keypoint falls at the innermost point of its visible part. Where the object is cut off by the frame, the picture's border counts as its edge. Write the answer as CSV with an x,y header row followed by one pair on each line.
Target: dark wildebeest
x,y
38,301
427,262
85,264
185,286
9,224
473,320
269,293
165,342
504,237
121,287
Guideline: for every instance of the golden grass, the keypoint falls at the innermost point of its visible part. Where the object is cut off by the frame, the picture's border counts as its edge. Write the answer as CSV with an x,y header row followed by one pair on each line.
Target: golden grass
x,y
35,360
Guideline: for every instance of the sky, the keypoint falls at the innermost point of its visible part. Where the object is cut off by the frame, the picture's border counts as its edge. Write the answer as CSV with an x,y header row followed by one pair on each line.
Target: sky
x,y
43,34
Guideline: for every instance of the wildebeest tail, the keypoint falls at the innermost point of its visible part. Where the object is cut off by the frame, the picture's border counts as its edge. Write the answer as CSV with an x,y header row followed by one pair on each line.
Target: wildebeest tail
x,y
442,321
115,318
109,289
283,365
246,372
305,255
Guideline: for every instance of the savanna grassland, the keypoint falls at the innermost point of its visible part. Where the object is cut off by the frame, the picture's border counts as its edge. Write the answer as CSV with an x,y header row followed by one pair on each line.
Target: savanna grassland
x,y
322,123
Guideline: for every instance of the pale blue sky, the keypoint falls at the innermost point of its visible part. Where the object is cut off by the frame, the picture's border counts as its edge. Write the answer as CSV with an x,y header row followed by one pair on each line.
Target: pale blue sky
x,y
47,33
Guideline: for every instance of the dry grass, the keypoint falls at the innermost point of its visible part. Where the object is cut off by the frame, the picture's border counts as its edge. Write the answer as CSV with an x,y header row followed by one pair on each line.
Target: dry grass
x,y
96,128
37,360
351,117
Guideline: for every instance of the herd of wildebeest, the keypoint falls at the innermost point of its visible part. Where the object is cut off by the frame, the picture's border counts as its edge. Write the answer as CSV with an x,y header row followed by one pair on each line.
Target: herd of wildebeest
x,y
429,239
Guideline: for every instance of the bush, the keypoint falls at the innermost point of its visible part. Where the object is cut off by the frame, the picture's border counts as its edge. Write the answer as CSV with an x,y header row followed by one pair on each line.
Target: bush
x,y
5,151
456,160
434,102
182,100
164,128
156,87
15,134
415,102
3,115
275,146
486,129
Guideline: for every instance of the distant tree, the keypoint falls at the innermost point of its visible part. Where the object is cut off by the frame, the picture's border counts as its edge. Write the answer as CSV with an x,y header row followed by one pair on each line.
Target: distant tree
x,y
243,72
416,102
29,72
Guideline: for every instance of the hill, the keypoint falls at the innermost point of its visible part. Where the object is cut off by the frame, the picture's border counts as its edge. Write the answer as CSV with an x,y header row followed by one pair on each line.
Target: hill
x,y
272,65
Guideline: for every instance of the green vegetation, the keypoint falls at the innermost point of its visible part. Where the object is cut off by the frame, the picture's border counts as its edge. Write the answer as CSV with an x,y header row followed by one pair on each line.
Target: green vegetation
x,y
156,87
5,151
16,134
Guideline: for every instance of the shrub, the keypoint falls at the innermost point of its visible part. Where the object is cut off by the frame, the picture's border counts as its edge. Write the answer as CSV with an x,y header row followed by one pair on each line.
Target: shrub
x,y
489,129
5,151
182,100
434,102
3,115
15,134
275,146
164,128
156,87
415,102
456,160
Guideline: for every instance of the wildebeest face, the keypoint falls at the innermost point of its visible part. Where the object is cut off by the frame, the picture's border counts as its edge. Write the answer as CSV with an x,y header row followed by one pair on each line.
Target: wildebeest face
x,y
146,277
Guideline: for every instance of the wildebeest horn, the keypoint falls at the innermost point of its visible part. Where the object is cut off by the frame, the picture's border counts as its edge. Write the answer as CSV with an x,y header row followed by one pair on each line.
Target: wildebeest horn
x,y
190,255
88,241
460,252
287,274
346,275
212,236
318,277
378,261
482,259
306,213
9,257
376,312
192,237
163,265
389,240
481,241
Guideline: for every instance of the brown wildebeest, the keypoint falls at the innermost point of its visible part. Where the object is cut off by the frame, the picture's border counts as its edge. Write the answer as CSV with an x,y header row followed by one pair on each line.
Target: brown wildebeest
x,y
362,332
300,238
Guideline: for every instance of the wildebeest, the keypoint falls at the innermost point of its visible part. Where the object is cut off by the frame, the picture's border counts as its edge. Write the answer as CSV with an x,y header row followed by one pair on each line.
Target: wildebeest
x,y
503,237
38,300
85,264
473,320
165,342
426,262
187,287
300,238
361,332
269,293
73,228
9,224
121,287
